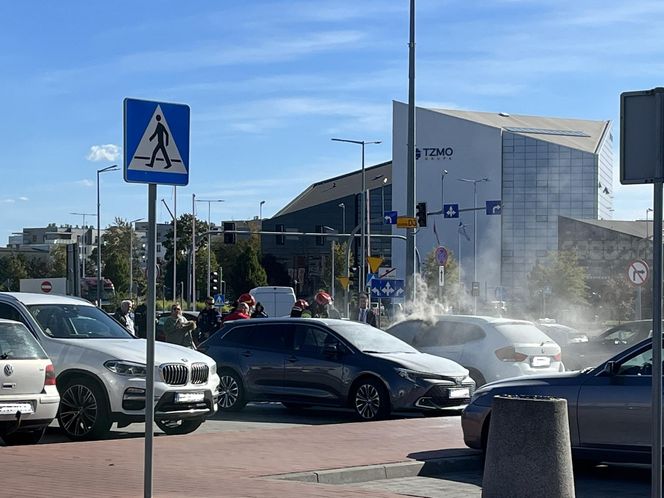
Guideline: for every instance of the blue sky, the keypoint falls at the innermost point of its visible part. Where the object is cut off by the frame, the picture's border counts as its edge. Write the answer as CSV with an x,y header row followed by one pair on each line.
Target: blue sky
x,y
270,82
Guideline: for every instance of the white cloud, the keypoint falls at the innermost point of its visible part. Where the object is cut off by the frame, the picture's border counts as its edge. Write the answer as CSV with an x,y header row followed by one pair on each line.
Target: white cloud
x,y
23,198
108,152
8,201
85,183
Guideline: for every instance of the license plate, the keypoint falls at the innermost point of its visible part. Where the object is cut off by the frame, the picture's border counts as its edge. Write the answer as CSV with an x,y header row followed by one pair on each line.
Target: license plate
x,y
540,361
12,408
459,393
189,397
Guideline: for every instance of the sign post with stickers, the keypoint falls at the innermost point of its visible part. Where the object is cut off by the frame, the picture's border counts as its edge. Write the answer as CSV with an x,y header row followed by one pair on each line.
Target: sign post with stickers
x,y
156,152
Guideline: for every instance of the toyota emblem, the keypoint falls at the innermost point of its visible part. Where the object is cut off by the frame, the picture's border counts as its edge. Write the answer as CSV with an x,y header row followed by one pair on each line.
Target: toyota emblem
x,y
9,370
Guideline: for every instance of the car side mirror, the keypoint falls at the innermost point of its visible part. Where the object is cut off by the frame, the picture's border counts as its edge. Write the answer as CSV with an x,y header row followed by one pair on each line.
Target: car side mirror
x,y
610,368
331,350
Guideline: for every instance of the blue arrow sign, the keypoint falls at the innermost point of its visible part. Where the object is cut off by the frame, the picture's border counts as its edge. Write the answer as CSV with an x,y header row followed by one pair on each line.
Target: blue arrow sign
x,y
387,288
450,210
390,217
494,207
156,142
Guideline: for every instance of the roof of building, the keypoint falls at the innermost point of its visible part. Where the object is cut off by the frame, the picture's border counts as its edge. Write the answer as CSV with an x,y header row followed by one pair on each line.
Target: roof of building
x,y
339,187
638,228
578,134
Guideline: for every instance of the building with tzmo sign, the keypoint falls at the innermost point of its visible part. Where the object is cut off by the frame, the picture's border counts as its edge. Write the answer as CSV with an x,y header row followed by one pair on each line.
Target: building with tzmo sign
x,y
536,169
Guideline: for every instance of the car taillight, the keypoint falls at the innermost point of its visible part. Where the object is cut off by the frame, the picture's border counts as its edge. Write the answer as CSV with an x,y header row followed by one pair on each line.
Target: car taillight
x,y
50,375
557,357
509,354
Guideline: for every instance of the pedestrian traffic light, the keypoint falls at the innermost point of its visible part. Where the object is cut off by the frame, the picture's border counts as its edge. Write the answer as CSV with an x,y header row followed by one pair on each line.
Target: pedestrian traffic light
x,y
214,283
229,238
421,214
281,239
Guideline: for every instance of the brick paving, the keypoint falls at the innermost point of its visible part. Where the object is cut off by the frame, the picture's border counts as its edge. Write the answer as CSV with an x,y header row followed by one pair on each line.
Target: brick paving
x,y
228,464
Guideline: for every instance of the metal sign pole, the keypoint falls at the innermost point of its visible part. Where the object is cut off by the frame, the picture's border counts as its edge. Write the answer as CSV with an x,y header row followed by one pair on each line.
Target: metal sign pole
x,y
149,388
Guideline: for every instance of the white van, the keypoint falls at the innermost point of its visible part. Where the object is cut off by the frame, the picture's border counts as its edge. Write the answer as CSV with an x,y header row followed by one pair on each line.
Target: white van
x,y
277,301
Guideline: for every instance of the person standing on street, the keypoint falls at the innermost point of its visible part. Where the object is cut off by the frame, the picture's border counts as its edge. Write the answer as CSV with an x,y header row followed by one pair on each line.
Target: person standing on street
x,y
178,330
364,314
123,315
208,321
259,311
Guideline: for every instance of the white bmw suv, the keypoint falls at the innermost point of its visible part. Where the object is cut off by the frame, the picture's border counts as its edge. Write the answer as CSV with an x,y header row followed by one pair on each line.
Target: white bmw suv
x,y
101,368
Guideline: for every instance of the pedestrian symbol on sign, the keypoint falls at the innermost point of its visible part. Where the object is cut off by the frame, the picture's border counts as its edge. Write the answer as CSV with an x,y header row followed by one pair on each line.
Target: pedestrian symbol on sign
x,y
160,132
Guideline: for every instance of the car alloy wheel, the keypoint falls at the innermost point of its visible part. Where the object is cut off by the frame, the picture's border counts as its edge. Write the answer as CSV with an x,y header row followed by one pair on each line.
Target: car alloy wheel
x,y
367,401
371,400
83,413
231,392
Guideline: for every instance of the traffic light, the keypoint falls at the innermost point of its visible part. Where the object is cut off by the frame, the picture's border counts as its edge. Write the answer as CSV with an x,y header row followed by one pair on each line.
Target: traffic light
x,y
214,283
281,239
421,214
229,238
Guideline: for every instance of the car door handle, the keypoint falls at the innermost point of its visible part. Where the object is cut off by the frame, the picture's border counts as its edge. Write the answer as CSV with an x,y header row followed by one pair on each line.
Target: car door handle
x,y
292,359
247,354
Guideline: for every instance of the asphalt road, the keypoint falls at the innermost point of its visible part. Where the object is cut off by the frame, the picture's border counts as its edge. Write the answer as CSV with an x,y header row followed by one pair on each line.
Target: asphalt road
x,y
253,416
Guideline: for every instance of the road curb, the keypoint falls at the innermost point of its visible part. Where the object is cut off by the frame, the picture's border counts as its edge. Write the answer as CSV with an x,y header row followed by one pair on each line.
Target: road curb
x,y
396,470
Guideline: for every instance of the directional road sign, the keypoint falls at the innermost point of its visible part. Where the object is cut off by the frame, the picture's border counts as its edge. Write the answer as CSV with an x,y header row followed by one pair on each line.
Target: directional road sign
x,y
493,207
390,217
406,222
637,272
450,210
388,288
156,142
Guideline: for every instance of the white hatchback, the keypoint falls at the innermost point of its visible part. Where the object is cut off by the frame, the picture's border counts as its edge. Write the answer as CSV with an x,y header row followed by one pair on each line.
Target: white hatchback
x,y
101,368
28,396
490,348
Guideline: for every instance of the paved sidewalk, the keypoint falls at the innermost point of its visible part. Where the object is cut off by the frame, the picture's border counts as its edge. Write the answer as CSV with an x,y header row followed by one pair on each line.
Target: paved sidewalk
x,y
229,464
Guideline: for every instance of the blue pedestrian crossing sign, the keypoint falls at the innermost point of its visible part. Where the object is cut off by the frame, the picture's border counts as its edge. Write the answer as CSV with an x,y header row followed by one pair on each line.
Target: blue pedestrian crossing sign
x,y
388,288
493,207
219,299
156,142
390,217
450,210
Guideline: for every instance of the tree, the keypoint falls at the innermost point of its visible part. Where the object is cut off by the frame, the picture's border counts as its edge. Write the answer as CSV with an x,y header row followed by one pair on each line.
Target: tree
x,y
184,249
247,272
339,268
616,301
12,270
558,284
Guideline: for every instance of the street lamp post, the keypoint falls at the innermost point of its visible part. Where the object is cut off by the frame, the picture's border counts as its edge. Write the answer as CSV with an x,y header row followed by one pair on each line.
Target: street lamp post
x,y
131,255
84,244
113,167
209,201
474,182
343,217
175,248
442,191
260,210
363,215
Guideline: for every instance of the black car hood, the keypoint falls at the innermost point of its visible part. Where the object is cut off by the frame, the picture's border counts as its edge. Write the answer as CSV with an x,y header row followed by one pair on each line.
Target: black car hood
x,y
559,379
422,362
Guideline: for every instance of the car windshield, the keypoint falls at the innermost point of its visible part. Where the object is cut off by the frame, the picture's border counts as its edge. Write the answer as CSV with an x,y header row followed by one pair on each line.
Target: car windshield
x,y
69,321
16,343
522,332
370,339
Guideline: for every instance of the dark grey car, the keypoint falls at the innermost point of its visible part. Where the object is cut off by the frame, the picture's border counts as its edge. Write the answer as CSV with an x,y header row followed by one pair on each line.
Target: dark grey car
x,y
608,406
306,362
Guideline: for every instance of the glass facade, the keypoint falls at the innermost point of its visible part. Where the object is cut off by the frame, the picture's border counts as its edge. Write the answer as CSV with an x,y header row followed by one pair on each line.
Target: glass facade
x,y
542,180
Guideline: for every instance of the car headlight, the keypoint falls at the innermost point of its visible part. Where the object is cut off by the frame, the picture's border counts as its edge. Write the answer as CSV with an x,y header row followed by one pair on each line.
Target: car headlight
x,y
128,368
410,375
213,369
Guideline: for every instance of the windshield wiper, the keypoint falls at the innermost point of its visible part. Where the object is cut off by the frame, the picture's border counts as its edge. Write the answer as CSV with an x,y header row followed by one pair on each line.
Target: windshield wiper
x,y
4,356
371,351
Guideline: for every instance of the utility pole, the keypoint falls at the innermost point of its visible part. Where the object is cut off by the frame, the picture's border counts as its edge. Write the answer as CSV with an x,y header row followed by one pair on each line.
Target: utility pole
x,y
410,171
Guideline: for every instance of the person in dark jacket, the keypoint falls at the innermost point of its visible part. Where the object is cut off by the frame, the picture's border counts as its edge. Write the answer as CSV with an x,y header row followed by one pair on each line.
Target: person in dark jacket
x,y
259,311
364,314
208,321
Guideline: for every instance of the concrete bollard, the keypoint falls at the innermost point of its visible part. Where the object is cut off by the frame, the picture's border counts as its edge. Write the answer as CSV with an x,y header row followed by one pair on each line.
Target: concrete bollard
x,y
528,449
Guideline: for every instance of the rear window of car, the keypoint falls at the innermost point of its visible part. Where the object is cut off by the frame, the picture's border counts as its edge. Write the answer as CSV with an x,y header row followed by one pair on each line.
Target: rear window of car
x,y
522,332
17,343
